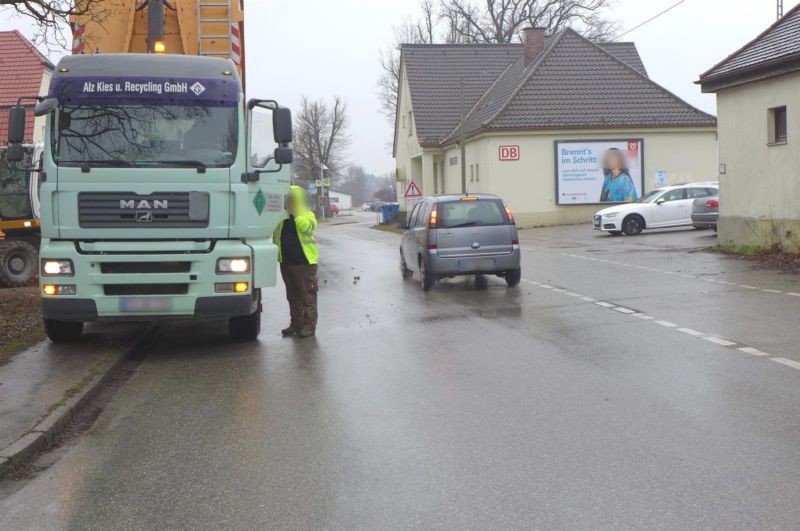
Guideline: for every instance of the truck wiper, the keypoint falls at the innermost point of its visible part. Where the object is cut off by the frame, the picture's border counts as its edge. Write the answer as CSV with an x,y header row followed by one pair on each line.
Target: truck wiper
x,y
87,165
201,167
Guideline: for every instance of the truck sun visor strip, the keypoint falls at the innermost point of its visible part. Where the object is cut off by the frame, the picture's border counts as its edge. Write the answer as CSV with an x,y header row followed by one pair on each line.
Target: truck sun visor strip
x,y
117,90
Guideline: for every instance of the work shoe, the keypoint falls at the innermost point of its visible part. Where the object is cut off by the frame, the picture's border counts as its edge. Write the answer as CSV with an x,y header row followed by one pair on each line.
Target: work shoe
x,y
305,332
290,331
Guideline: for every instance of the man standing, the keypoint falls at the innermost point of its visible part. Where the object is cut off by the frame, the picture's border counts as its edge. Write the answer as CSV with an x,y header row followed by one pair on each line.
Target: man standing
x,y
298,256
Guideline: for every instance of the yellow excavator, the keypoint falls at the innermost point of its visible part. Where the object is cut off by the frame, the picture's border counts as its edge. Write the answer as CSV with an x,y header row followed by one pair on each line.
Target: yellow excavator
x,y
186,27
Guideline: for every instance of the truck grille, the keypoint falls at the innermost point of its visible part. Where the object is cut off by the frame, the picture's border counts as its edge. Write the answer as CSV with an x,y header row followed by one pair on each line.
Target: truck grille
x,y
129,210
145,289
121,268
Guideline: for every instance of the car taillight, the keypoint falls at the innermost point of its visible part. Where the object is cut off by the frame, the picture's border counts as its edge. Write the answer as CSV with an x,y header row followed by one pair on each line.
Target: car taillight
x,y
510,215
431,246
712,203
514,242
433,220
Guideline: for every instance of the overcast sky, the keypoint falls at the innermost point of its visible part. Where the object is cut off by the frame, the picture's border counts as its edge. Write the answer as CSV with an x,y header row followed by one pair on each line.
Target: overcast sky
x,y
322,48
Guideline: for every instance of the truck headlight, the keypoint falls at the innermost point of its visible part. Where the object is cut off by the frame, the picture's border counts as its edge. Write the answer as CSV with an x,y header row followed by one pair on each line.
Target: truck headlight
x,y
57,268
233,265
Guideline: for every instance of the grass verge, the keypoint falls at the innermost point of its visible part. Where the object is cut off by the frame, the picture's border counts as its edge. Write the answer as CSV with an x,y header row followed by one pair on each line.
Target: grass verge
x,y
21,318
769,257
388,228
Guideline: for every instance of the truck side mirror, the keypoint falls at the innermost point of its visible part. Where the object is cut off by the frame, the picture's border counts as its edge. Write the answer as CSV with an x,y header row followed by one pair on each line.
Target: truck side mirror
x,y
282,125
283,155
16,124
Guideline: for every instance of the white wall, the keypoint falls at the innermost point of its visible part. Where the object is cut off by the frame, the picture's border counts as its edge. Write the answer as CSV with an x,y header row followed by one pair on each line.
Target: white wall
x,y
760,192
343,201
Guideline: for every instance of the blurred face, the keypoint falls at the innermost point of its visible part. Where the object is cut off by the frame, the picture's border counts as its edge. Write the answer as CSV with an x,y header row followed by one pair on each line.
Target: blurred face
x,y
614,160
288,202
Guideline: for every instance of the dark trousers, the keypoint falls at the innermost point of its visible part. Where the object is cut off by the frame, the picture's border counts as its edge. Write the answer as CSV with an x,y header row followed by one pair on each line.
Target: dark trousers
x,y
301,292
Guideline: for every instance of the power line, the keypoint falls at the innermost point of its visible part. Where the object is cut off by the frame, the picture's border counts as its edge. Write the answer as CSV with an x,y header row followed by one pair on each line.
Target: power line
x,y
667,10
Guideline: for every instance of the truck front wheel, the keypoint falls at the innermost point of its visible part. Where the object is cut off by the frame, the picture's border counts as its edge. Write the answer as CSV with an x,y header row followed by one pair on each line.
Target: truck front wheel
x,y
246,327
63,331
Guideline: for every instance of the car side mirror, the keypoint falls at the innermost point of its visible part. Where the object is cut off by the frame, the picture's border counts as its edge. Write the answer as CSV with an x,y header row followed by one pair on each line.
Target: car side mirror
x,y
16,124
661,201
282,125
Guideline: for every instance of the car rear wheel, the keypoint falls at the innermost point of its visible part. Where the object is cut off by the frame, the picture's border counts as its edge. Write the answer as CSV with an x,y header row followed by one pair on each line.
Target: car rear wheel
x,y
63,331
404,270
633,225
425,277
514,277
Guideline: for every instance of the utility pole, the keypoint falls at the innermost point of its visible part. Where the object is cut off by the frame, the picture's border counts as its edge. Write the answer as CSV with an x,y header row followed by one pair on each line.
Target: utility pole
x,y
461,143
780,9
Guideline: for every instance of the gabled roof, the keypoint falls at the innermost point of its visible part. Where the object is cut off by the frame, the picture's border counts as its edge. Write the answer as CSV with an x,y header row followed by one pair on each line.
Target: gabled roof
x,y
775,51
572,83
21,70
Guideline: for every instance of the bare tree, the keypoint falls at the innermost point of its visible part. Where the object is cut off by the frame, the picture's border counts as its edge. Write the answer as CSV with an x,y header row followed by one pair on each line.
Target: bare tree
x,y
320,138
502,20
51,17
487,21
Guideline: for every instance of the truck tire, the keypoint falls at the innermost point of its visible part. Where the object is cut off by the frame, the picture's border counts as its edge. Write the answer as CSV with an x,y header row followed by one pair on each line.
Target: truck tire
x,y
18,263
245,328
63,331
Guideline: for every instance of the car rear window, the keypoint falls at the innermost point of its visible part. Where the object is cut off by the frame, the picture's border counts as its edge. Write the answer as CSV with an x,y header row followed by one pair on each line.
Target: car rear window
x,y
481,212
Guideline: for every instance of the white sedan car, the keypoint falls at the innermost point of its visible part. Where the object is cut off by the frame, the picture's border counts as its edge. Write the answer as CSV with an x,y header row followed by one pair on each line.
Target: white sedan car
x,y
670,206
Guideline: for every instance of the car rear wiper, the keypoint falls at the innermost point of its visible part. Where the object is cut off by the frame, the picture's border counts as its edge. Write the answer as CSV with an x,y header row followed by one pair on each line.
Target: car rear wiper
x,y
465,224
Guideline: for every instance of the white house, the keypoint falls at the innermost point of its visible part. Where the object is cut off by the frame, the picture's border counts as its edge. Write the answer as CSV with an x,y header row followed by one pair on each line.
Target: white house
x,y
758,101
539,119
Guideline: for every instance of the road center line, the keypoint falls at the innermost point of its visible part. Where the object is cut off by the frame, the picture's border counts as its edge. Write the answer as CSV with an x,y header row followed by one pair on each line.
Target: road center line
x,y
690,332
665,323
753,351
720,341
604,304
788,363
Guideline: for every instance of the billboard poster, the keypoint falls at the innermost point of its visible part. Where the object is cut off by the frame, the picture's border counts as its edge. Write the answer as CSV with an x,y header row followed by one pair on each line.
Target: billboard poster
x,y
599,171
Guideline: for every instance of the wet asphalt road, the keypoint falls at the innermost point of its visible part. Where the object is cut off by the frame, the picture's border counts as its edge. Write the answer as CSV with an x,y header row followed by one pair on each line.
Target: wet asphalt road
x,y
472,406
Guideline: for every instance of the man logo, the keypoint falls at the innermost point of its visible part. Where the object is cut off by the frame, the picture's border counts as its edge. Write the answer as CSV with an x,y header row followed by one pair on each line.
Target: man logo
x,y
197,88
145,216
131,204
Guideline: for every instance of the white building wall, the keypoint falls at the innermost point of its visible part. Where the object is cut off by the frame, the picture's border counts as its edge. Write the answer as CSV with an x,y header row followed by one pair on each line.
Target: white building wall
x,y
760,191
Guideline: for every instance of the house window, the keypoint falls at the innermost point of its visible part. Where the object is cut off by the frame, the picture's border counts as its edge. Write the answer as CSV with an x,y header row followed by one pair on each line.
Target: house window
x,y
410,123
778,127
435,177
404,121
471,173
477,173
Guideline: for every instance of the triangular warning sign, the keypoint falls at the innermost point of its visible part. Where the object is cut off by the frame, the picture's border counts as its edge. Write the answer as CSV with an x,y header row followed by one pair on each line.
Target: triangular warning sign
x,y
413,190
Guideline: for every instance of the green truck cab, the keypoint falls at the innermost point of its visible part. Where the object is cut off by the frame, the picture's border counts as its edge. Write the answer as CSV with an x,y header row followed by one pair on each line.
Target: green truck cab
x,y
160,188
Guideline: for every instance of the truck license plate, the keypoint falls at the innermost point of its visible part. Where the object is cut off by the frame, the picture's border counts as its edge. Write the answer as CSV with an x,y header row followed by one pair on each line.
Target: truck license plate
x,y
145,304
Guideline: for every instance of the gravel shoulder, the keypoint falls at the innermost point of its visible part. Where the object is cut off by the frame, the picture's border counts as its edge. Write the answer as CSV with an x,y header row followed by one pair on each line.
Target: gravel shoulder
x,y
21,318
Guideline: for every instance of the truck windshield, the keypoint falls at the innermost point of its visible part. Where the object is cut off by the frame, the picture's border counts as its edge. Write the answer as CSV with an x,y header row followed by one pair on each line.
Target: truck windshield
x,y
145,135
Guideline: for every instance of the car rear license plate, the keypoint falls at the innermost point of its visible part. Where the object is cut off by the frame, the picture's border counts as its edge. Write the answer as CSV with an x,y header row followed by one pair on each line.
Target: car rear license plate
x,y
476,264
145,304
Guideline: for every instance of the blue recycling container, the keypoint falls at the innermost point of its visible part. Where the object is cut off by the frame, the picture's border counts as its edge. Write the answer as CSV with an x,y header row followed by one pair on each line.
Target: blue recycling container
x,y
390,212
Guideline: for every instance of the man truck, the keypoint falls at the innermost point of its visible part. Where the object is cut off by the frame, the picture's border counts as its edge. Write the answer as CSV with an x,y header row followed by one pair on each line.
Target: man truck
x,y
160,186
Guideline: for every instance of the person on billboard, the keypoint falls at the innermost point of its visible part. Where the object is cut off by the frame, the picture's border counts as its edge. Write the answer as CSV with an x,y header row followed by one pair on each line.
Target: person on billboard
x,y
617,186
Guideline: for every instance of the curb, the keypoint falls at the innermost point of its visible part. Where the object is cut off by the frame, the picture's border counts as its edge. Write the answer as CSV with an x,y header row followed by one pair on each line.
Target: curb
x,y
53,424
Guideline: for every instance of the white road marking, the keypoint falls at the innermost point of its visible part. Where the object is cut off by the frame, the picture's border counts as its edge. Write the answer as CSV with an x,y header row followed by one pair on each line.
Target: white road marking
x,y
644,316
690,332
745,286
793,294
754,351
665,323
771,291
547,286
624,310
573,294
588,299
535,283
720,341
559,290
605,304
788,363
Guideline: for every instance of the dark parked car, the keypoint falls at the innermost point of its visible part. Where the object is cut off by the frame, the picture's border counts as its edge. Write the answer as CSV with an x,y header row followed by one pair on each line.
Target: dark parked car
x,y
705,212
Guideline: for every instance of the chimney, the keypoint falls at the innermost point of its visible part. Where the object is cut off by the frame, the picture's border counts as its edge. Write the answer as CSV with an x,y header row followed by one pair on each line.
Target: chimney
x,y
534,43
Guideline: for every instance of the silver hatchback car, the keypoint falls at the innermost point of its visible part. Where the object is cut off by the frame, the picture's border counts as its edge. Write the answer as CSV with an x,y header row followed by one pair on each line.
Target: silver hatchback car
x,y
452,235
